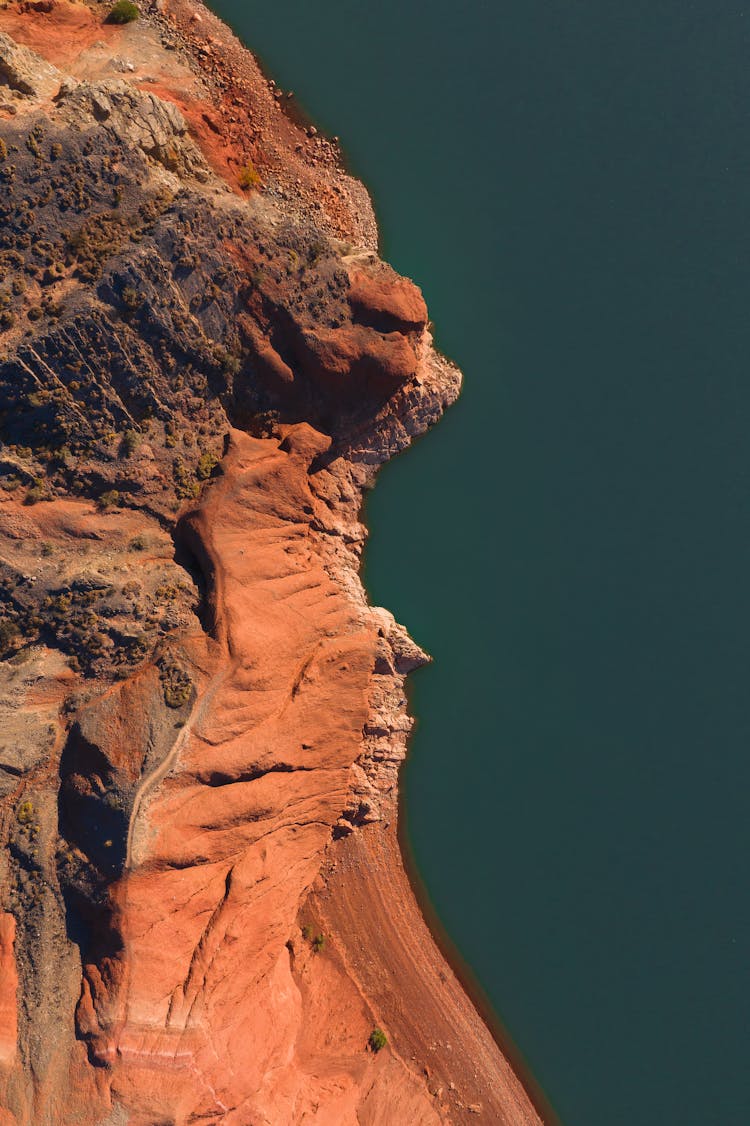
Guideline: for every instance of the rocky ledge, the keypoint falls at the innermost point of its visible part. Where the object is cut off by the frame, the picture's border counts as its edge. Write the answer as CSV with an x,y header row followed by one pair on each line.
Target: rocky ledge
x,y
203,362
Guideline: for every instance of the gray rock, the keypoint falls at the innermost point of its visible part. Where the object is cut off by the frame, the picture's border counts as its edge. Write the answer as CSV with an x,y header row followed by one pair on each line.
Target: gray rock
x,y
141,119
25,71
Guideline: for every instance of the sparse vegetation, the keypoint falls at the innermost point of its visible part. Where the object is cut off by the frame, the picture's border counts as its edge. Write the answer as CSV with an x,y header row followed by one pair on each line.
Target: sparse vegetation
x,y
377,1040
80,619
99,237
317,941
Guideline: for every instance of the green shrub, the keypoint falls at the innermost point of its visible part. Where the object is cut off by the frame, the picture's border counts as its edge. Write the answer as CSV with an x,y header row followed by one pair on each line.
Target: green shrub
x,y
205,466
377,1040
318,943
25,813
124,11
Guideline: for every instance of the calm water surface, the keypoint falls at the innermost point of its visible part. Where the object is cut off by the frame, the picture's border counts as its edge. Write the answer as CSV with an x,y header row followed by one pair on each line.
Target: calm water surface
x,y
570,183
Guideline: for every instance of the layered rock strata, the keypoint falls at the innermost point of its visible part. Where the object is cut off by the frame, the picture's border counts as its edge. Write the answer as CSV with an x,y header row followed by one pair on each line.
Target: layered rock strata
x,y
203,363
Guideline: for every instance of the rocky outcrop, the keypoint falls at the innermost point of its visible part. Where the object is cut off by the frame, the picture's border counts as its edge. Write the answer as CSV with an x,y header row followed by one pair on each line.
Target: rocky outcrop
x,y
203,719
138,120
26,72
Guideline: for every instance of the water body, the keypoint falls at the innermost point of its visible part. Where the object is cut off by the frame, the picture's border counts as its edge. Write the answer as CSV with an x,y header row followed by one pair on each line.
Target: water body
x,y
570,183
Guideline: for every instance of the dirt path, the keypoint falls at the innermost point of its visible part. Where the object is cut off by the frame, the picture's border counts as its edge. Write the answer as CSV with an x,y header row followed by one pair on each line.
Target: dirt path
x,y
150,781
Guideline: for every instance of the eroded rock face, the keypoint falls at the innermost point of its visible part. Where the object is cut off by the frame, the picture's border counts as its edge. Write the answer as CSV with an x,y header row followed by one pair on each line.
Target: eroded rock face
x,y
25,72
202,716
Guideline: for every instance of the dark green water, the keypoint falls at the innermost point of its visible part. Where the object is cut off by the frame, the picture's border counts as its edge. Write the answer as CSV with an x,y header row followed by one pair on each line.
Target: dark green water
x,y
570,183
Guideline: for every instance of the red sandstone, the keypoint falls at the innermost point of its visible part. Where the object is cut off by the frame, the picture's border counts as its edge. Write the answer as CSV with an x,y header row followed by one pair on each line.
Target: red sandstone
x,y
272,815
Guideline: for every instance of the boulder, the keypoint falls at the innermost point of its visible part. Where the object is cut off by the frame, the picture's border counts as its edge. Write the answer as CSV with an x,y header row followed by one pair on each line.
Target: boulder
x,y
25,71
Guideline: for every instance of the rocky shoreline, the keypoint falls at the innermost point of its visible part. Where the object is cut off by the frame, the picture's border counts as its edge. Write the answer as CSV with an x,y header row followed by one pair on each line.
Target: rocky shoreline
x,y
203,363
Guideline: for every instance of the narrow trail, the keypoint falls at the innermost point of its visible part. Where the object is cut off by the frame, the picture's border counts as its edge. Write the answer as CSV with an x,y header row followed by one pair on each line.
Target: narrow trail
x,y
150,781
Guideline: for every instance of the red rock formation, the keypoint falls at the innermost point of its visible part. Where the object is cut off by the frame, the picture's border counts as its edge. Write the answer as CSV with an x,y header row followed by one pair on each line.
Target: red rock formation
x,y
8,991
200,802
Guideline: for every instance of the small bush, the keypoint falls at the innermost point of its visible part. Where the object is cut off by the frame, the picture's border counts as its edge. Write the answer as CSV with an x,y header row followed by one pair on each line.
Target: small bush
x,y
185,487
34,494
109,499
205,466
138,543
176,685
25,813
176,695
318,943
131,440
124,11
249,176
9,631
132,298
377,1040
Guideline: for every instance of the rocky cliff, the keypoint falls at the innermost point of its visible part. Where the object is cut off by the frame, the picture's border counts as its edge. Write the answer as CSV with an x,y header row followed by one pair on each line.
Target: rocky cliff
x,y
203,362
